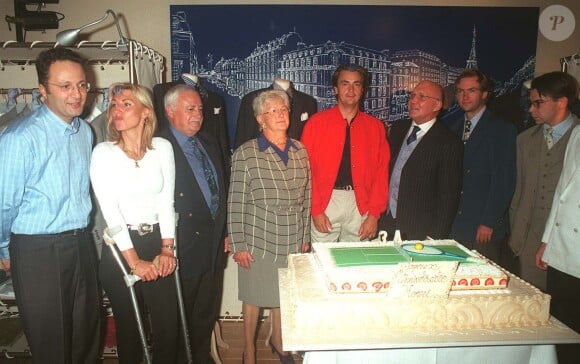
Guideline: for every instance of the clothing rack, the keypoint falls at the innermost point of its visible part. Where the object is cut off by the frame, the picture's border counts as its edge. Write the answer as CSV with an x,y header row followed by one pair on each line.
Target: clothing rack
x,y
106,64
565,61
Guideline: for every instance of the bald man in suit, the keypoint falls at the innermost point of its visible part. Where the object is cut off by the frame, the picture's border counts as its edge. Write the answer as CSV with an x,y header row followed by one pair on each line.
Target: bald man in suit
x,y
425,169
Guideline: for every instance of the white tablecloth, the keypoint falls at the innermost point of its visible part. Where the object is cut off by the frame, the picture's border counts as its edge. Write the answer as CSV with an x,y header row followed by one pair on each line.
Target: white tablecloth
x,y
521,354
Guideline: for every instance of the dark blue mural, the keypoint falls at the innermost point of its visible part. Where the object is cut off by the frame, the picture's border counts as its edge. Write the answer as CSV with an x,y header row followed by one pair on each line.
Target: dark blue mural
x,y
236,49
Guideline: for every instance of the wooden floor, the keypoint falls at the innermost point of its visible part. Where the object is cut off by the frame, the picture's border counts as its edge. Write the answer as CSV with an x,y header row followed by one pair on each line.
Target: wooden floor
x,y
232,333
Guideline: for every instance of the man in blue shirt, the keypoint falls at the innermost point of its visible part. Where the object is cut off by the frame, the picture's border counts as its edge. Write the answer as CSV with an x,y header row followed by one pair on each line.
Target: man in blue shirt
x,y
44,211
200,200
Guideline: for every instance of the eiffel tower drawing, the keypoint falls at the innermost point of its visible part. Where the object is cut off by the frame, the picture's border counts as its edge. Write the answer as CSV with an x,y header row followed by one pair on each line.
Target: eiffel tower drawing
x,y
472,60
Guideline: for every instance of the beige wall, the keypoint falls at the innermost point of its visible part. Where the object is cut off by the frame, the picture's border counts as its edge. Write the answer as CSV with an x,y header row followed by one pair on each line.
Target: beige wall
x,y
147,21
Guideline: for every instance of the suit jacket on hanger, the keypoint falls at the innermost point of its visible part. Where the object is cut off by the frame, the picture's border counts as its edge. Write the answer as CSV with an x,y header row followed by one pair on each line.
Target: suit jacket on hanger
x,y
302,106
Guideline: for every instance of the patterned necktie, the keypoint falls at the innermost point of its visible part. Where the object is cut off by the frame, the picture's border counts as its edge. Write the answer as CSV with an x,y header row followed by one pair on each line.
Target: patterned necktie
x,y
208,173
413,135
549,137
466,130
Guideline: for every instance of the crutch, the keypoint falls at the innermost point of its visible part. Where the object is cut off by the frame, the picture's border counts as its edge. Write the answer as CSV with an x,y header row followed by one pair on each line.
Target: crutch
x,y
180,298
130,280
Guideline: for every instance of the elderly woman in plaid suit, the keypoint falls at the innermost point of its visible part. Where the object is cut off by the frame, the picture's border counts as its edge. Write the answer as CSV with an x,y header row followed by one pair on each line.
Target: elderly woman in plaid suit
x,y
268,215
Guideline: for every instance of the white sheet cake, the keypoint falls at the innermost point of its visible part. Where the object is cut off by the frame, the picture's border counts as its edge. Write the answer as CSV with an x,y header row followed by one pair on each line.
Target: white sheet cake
x,y
315,308
475,275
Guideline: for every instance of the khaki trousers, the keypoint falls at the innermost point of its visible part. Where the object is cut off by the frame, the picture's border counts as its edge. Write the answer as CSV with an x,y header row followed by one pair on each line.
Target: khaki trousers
x,y
344,216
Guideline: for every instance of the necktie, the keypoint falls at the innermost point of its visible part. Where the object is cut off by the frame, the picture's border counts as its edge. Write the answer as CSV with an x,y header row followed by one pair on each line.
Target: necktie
x,y
466,130
208,173
413,135
550,137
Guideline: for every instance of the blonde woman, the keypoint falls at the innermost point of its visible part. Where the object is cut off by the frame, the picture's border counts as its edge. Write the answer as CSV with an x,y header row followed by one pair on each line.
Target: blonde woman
x,y
133,176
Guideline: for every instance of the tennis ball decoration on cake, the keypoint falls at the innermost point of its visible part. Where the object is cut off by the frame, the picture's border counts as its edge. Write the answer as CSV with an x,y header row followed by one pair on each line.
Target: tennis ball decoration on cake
x,y
419,246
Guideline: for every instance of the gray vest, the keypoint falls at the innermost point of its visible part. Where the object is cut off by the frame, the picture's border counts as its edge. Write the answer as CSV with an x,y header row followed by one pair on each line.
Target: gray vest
x,y
548,175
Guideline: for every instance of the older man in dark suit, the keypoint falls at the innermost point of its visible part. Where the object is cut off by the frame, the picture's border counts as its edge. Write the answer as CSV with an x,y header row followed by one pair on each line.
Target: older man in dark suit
x,y
200,201
425,169
489,168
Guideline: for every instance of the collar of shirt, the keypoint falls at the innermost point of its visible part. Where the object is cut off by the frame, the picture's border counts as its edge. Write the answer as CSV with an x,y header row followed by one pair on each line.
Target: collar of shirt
x,y
424,128
181,138
264,143
561,128
57,124
475,118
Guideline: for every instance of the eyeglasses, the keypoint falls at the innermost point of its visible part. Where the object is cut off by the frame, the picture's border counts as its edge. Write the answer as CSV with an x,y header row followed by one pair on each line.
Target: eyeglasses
x,y
538,103
469,91
69,87
422,97
282,110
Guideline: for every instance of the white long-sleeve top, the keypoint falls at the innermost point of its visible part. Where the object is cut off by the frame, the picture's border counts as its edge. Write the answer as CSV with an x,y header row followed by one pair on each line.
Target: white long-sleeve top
x,y
133,195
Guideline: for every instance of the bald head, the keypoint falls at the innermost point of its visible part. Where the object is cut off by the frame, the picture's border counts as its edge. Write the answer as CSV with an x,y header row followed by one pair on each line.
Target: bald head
x,y
425,101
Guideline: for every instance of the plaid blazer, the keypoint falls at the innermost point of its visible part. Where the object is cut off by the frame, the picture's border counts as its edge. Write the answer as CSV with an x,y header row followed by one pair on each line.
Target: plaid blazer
x,y
268,201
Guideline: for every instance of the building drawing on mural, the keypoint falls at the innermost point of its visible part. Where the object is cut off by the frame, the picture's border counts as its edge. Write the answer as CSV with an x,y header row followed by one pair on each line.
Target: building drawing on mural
x,y
310,67
182,46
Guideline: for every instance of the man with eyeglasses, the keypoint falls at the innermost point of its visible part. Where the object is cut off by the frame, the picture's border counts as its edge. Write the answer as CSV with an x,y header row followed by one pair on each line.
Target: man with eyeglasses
x,y
489,172
559,253
44,212
349,158
425,169
540,154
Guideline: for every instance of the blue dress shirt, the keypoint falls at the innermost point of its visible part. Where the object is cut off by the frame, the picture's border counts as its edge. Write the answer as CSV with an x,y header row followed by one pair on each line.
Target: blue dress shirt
x,y
264,143
194,164
44,176
475,119
561,128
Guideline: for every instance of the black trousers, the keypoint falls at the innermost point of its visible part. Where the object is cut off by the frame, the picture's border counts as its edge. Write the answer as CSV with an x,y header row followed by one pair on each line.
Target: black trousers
x,y
158,298
55,282
491,250
199,295
387,223
565,292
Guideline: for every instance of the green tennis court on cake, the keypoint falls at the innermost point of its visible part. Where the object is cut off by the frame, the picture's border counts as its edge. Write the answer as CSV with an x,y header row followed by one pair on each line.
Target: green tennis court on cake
x,y
352,257
389,255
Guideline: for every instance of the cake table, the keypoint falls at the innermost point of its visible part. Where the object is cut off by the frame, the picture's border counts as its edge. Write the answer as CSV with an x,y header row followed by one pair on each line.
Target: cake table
x,y
373,345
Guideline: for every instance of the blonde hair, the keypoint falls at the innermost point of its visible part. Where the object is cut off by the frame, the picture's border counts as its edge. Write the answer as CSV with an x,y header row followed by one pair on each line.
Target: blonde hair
x,y
143,95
